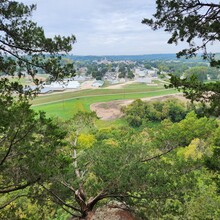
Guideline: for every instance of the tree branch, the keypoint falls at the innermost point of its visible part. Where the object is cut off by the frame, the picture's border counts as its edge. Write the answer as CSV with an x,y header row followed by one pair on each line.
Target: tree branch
x,y
10,201
73,215
20,58
22,48
68,186
9,148
13,142
159,155
18,187
61,201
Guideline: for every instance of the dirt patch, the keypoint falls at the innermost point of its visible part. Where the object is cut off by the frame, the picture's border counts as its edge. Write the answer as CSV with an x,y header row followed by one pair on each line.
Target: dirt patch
x,y
113,213
110,212
109,110
112,110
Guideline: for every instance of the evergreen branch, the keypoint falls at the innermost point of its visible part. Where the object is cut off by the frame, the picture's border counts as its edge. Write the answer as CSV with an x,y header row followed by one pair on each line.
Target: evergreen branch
x,y
20,58
23,48
61,201
12,200
159,155
73,215
9,148
6,190
68,186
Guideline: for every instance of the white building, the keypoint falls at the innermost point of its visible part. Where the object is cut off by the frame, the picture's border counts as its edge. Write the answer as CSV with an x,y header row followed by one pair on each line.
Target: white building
x,y
147,80
59,86
79,78
98,83
72,85
140,73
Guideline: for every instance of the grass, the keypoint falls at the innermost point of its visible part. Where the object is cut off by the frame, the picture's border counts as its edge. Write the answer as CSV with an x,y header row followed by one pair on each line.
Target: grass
x,y
142,86
136,88
63,107
156,81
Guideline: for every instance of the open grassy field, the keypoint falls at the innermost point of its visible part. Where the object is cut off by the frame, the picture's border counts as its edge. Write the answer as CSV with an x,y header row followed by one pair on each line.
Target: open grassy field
x,y
65,105
128,89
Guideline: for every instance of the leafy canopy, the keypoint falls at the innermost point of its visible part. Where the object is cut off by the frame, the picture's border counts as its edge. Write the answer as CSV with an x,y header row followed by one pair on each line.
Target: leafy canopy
x,y
197,23
188,20
29,140
24,48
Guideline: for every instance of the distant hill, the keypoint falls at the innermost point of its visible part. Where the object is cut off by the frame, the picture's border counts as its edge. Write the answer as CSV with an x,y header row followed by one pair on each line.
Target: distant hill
x,y
147,57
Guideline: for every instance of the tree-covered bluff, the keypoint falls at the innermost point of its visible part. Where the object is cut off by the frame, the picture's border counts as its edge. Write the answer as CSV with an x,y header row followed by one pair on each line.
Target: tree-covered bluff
x,y
166,171
54,169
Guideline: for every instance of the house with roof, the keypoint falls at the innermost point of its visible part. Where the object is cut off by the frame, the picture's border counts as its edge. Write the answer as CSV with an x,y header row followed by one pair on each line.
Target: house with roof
x,y
98,83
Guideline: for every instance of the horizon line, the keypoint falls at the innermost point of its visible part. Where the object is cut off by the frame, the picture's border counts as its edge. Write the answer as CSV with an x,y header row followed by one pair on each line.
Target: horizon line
x,y
104,55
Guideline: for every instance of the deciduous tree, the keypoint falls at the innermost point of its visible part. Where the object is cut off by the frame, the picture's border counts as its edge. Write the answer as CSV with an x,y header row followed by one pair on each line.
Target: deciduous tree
x,y
197,23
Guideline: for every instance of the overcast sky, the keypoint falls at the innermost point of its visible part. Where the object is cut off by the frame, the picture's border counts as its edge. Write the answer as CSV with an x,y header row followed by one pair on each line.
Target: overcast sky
x,y
103,27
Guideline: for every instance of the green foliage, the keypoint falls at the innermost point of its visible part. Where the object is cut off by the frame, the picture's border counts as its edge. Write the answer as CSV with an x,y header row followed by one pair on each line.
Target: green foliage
x,y
26,49
140,112
186,21
204,203
195,90
212,163
27,208
29,146
181,137
122,74
199,72
158,171
189,128
130,75
202,73
27,139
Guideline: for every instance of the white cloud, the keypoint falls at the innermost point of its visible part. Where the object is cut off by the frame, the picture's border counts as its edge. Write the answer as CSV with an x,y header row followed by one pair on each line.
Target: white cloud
x,y
103,27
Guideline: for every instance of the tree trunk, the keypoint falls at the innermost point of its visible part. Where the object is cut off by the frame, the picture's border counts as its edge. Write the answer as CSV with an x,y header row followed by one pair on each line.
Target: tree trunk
x,y
89,216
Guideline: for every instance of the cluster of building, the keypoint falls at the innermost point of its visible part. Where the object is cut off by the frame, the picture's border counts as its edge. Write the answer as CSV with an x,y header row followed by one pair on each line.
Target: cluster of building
x,y
141,75
145,76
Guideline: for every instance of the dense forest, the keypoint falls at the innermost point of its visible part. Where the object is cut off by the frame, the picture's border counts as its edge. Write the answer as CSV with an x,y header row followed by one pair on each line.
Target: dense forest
x,y
163,163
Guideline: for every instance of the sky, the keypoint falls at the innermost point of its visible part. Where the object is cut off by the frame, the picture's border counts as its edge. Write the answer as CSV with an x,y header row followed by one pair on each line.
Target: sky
x,y
103,27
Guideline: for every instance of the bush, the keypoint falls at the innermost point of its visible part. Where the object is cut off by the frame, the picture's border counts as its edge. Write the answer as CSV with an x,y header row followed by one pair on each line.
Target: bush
x,y
139,112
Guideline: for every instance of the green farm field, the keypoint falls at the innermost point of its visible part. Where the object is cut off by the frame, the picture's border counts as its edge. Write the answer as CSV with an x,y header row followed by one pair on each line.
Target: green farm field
x,y
128,89
65,105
